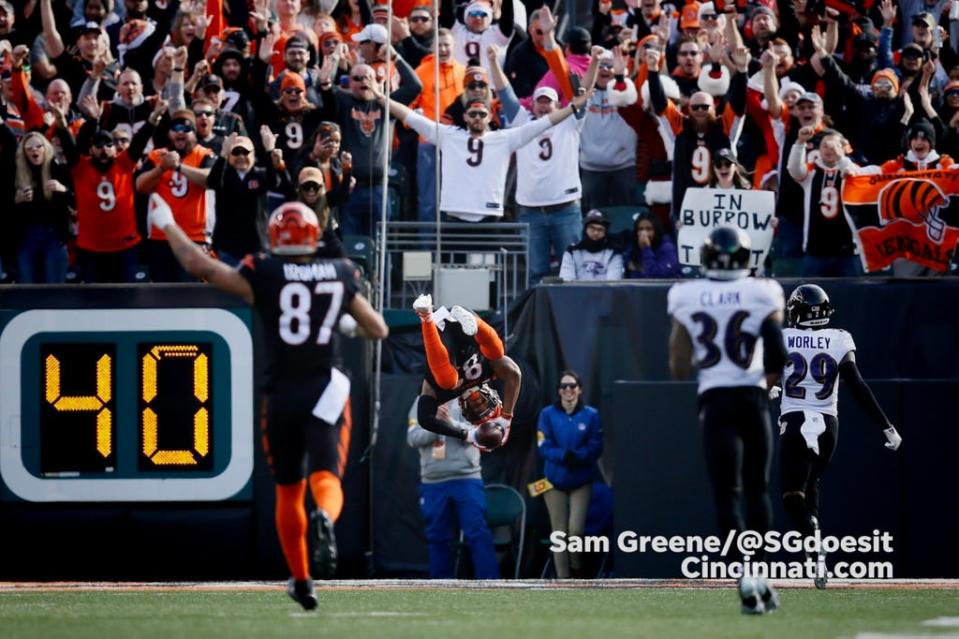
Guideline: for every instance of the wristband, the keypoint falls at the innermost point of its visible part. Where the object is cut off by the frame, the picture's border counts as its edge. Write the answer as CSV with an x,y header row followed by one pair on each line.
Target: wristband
x,y
180,69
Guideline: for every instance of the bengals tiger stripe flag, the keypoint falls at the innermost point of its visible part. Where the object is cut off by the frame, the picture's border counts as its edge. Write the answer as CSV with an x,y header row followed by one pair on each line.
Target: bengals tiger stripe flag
x,y
912,215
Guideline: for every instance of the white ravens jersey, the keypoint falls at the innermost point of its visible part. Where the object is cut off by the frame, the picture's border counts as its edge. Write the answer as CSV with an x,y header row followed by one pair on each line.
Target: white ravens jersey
x,y
811,373
474,168
547,169
723,319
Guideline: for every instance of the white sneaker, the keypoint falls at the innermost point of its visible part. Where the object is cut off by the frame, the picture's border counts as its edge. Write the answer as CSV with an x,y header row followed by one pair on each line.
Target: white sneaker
x,y
423,305
750,597
464,318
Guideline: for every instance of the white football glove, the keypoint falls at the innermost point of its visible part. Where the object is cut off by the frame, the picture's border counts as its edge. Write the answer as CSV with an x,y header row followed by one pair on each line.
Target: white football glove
x,y
775,392
347,325
159,213
893,440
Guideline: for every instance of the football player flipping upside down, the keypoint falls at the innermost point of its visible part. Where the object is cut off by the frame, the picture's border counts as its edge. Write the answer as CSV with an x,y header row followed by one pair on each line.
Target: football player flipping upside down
x,y
463,353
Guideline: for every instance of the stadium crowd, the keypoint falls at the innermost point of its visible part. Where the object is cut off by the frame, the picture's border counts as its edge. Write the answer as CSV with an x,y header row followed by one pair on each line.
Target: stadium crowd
x,y
226,108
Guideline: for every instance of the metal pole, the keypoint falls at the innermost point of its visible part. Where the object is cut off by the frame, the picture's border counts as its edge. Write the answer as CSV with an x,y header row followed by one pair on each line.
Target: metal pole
x,y
436,147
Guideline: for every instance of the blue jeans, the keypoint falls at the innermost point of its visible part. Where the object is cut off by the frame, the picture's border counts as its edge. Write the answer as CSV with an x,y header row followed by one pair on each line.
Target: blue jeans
x,y
426,182
467,499
42,256
608,188
839,266
359,214
557,229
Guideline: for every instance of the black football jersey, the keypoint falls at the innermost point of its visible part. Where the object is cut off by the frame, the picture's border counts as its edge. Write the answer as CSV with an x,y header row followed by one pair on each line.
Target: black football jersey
x,y
473,368
300,305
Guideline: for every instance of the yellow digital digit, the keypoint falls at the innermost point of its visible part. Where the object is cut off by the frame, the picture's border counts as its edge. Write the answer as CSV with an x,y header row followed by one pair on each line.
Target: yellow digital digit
x,y
150,422
95,403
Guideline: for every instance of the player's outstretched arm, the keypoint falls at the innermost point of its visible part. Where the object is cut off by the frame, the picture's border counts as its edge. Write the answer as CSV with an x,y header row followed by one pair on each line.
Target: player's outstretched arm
x,y
507,370
849,373
371,324
192,258
680,351
426,415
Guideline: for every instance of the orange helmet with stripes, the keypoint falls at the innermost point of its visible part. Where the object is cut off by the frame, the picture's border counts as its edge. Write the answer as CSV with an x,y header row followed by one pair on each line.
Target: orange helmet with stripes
x,y
294,230
911,199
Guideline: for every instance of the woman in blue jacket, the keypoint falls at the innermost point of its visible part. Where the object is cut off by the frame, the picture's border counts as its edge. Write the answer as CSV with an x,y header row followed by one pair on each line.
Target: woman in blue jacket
x,y
570,440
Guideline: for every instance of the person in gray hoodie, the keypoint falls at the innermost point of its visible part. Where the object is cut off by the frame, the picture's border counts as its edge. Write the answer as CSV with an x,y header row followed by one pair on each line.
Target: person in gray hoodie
x,y
451,484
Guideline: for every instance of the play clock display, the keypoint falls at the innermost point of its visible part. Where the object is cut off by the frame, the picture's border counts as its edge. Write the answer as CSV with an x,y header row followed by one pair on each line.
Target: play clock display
x,y
126,405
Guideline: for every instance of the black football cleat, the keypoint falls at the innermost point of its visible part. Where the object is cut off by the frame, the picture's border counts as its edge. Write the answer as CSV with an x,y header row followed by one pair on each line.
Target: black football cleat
x,y
301,591
324,546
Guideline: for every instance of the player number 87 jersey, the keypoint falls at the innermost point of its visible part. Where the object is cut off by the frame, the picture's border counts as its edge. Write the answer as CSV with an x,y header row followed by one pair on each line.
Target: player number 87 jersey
x,y
723,319
812,370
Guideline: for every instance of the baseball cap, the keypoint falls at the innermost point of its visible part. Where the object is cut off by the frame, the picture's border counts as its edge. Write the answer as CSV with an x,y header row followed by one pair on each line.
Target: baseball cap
x,y
690,17
911,49
292,80
102,138
475,74
548,92
725,155
375,32
885,74
577,35
6,7
924,18
91,26
296,43
310,174
244,142
211,80
952,87
595,217
810,96
236,38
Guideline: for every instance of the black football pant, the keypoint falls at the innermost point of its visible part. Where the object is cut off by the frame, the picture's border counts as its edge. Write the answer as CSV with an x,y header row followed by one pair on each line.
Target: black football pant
x,y
801,468
737,439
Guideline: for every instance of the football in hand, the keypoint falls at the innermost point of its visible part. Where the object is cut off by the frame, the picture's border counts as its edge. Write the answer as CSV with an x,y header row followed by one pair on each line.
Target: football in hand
x,y
489,435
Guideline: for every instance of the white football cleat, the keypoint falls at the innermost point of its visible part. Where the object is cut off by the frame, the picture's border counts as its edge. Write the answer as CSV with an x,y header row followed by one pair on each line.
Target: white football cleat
x,y
750,597
423,305
768,594
464,318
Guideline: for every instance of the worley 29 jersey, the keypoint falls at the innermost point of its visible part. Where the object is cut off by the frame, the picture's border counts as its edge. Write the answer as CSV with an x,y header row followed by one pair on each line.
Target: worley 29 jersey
x,y
300,305
723,318
811,374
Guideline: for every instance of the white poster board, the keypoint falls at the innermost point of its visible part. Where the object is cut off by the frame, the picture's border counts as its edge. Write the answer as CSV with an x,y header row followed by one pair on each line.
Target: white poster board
x,y
706,209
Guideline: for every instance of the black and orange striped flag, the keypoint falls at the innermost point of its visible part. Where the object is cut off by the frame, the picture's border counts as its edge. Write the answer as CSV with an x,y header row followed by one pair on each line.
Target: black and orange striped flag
x,y
912,215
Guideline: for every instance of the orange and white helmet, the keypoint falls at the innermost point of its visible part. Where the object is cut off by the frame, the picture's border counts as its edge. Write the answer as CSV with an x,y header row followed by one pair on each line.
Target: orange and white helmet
x,y
294,230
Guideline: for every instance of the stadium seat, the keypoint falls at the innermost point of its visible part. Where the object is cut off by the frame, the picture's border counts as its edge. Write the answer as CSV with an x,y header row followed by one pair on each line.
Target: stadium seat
x,y
621,217
359,248
506,518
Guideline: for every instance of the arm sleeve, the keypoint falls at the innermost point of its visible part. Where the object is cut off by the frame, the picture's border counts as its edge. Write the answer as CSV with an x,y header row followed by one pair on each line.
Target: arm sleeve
x,y
849,373
614,270
662,263
426,416
737,93
774,348
509,102
545,445
71,152
505,23
656,94
140,140
593,446
215,179
427,128
567,268
524,134
885,49
410,85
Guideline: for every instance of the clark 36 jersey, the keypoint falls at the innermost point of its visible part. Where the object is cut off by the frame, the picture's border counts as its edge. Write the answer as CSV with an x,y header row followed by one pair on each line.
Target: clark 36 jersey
x,y
723,320
811,373
300,304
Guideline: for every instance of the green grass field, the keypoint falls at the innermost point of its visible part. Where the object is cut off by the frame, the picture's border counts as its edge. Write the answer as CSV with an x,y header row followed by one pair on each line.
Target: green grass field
x,y
457,613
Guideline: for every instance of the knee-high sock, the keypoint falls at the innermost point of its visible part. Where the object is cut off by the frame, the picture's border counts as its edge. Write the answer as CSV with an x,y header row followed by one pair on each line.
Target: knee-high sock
x,y
291,524
437,357
491,346
327,492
